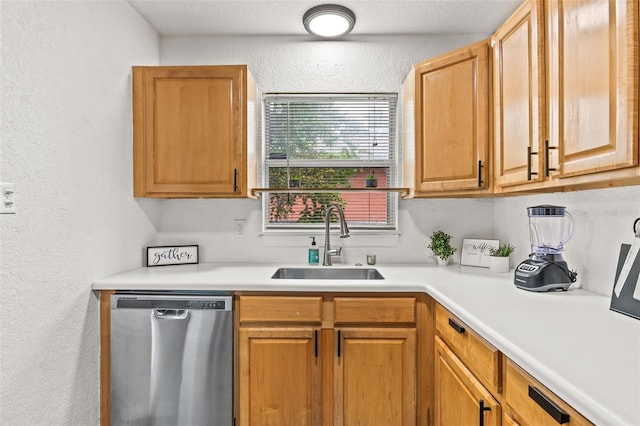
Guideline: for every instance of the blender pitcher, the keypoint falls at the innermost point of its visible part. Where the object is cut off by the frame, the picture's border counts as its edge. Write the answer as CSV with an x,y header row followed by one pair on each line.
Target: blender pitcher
x,y
546,227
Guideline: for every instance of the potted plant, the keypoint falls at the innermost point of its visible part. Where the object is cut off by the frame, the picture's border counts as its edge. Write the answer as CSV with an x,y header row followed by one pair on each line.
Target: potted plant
x,y
371,181
499,257
441,246
294,181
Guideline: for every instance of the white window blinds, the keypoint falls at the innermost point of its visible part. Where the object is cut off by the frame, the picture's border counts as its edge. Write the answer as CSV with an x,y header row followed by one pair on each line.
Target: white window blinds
x,y
332,143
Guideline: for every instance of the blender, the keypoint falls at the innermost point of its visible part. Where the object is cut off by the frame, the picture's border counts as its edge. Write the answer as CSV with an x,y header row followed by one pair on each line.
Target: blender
x,y
546,269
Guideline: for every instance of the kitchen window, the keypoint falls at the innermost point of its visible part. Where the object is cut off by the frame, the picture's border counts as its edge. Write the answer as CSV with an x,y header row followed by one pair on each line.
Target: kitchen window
x,y
322,149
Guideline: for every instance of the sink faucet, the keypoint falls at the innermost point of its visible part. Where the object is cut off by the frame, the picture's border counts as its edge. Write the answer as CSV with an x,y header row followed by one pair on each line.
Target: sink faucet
x,y
344,233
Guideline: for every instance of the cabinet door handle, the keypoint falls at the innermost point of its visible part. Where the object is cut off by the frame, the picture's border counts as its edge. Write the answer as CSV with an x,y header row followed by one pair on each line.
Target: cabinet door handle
x,y
235,180
457,327
547,169
557,413
315,343
480,173
529,154
481,411
339,343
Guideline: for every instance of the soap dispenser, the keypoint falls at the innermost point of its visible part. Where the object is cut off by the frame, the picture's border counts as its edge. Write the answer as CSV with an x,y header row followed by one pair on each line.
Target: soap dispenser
x,y
314,252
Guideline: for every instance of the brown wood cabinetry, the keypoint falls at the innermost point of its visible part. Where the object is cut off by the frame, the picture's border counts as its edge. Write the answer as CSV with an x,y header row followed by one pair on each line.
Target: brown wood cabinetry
x,y
468,374
460,398
593,84
519,97
325,360
583,57
474,381
533,404
190,128
451,101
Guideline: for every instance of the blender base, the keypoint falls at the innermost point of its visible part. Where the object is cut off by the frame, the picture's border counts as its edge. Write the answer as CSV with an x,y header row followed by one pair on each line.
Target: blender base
x,y
540,274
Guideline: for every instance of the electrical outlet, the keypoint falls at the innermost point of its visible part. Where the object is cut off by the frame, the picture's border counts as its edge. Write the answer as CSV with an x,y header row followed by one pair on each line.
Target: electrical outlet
x,y
7,198
240,228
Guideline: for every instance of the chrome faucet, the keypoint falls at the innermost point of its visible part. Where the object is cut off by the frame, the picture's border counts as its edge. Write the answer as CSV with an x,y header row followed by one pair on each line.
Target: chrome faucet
x,y
344,233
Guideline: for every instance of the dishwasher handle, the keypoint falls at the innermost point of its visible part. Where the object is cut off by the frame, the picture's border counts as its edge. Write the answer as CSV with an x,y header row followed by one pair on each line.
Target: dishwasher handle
x,y
171,313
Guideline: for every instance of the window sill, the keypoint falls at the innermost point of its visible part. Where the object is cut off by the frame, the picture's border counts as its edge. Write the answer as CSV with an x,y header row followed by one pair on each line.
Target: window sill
x,y
299,238
256,192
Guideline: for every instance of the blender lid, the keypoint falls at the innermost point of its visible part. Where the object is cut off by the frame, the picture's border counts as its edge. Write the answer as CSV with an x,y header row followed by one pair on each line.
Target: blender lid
x,y
546,210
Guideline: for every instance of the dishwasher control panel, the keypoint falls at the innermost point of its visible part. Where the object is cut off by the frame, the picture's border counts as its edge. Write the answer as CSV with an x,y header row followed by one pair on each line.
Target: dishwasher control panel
x,y
146,301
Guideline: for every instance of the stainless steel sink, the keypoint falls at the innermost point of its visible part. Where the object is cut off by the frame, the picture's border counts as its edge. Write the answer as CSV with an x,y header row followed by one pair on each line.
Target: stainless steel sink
x,y
327,274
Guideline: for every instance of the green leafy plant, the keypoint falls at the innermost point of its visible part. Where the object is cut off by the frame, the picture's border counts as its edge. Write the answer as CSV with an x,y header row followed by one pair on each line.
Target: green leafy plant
x,y
502,251
441,245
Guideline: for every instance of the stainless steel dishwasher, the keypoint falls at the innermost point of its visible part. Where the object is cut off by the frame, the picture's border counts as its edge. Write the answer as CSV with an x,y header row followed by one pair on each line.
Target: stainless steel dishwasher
x,y
171,359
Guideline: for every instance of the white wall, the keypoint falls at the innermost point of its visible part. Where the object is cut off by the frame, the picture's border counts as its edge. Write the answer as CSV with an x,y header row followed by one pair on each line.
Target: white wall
x,y
603,220
66,143
301,64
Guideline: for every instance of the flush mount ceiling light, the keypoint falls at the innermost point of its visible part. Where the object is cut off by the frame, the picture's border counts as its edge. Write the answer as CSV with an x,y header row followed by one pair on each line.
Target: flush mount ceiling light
x,y
329,20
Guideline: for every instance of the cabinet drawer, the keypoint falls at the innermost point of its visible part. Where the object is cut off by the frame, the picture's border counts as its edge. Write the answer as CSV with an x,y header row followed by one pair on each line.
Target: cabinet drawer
x,y
534,404
281,309
480,357
374,310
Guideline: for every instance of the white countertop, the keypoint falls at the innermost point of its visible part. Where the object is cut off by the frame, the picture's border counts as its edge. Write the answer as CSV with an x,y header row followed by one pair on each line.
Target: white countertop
x,y
570,341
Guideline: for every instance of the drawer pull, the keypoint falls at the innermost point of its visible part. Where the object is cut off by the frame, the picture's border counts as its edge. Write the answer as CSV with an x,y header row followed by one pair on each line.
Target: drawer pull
x,y
339,343
558,414
457,327
482,410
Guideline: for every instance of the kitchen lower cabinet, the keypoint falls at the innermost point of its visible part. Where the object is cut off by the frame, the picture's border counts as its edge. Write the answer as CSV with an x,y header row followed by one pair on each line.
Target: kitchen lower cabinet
x,y
375,377
280,380
460,398
533,404
476,384
328,360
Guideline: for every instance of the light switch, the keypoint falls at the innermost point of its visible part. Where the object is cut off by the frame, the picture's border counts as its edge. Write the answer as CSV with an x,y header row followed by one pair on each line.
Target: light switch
x,y
7,198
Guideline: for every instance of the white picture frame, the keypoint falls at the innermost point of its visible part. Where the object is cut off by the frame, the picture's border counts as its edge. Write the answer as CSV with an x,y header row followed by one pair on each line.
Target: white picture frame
x,y
475,252
172,255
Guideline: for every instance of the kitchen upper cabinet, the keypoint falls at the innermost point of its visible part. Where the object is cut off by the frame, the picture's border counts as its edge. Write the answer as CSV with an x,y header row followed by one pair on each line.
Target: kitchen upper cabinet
x,y
451,102
191,126
593,86
519,97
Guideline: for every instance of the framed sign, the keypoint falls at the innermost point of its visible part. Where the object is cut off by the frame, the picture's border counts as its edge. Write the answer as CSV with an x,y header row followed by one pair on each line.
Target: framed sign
x,y
172,255
476,252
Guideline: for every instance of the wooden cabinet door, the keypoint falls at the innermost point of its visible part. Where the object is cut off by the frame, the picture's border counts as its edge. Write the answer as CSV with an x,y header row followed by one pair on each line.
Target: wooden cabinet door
x,y
519,97
190,131
593,84
375,377
460,399
452,122
279,377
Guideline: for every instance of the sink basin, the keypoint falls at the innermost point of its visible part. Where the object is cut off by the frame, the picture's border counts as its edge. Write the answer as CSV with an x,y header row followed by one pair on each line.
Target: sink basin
x,y
327,274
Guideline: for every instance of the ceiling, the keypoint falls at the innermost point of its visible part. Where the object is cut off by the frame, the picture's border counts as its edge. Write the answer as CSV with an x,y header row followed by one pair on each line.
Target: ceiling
x,y
277,17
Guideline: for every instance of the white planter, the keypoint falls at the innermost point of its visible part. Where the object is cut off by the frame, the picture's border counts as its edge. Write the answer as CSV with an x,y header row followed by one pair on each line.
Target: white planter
x,y
499,264
443,262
